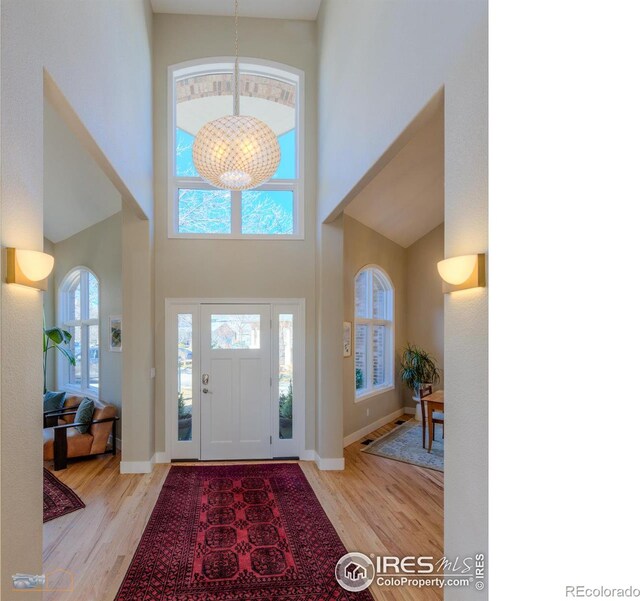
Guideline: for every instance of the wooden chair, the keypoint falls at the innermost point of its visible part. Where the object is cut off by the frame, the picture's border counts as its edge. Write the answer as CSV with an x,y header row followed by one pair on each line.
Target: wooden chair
x,y
432,406
63,441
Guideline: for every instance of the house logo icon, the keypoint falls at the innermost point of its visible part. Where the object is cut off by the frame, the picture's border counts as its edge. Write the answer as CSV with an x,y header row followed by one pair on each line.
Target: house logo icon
x,y
355,572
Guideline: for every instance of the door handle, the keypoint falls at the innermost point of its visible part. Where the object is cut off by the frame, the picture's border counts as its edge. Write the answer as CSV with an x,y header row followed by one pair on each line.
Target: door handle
x,y
205,390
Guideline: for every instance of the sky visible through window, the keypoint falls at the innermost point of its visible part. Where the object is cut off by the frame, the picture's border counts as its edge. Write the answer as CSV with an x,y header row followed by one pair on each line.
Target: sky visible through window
x,y
263,212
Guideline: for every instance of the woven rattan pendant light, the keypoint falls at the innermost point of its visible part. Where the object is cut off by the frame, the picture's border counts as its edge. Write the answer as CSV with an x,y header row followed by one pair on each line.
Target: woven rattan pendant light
x,y
236,152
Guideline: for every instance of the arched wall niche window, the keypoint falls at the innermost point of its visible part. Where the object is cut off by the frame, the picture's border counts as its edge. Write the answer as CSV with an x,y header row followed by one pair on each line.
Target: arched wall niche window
x,y
79,313
201,91
374,332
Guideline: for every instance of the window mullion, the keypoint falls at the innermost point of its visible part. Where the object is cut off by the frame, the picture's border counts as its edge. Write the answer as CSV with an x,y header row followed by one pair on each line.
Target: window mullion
x,y
236,212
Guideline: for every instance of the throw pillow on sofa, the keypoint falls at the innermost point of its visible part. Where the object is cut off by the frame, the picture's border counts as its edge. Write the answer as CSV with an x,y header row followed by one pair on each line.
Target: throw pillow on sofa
x,y
84,415
53,401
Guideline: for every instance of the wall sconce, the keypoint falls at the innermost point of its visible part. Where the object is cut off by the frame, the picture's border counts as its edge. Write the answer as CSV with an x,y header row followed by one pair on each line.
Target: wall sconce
x,y
460,273
28,268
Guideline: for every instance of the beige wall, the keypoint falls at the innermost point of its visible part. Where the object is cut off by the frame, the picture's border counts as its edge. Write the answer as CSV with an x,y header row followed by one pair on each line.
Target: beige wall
x,y
431,44
364,246
234,268
425,301
105,75
100,249
466,312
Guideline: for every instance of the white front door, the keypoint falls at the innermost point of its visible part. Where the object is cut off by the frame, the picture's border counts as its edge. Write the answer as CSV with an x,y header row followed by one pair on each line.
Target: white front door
x,y
235,381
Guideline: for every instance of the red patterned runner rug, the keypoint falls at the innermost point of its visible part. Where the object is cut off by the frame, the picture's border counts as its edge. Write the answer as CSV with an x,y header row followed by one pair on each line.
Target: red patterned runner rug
x,y
251,532
58,498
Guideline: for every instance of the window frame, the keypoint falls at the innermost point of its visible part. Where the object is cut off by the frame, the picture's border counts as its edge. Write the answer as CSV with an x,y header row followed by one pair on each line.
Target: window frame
x,y
370,390
252,66
64,312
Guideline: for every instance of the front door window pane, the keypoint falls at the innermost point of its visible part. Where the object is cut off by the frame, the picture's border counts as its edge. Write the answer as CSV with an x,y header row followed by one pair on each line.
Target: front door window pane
x,y
185,371
235,332
285,374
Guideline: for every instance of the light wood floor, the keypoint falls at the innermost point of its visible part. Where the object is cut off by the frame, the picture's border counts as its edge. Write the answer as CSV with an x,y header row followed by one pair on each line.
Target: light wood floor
x,y
377,505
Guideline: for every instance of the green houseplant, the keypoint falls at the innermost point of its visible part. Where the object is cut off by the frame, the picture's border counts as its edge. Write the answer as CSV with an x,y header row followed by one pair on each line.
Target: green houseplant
x,y
54,338
418,368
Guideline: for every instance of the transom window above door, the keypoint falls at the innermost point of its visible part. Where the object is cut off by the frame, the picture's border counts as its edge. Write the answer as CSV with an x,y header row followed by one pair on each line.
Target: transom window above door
x,y
202,91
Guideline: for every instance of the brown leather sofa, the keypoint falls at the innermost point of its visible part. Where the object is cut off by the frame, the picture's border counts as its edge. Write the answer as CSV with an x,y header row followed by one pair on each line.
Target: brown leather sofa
x,y
62,441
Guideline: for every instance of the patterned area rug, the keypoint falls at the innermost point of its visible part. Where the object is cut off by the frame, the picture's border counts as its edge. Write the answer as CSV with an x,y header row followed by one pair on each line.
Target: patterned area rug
x,y
58,498
404,443
237,532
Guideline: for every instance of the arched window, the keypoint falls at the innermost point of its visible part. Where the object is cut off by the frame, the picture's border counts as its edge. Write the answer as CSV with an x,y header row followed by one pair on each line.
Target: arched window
x,y
201,91
374,370
79,310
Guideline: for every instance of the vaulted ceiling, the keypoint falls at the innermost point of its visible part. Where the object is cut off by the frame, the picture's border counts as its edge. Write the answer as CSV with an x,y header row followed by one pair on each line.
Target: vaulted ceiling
x,y
77,193
405,199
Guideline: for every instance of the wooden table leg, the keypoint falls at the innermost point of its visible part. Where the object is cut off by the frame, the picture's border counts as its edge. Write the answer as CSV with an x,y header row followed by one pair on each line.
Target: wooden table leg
x,y
424,424
431,432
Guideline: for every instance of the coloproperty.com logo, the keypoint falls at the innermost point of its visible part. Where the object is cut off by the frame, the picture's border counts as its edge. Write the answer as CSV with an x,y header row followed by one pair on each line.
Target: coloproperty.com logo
x,y
356,571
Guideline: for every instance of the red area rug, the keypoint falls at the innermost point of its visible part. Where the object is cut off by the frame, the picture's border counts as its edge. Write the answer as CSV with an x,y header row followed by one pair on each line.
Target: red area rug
x,y
241,532
58,498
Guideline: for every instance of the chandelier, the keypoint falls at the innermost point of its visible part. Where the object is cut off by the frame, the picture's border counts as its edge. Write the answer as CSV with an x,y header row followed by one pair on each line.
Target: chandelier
x,y
236,152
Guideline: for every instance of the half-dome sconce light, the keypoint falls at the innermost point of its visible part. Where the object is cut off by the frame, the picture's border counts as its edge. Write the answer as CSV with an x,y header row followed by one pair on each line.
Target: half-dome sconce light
x,y
28,268
460,273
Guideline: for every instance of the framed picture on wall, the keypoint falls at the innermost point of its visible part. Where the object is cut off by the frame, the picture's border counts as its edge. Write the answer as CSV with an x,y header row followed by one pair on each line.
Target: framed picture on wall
x,y
115,333
346,339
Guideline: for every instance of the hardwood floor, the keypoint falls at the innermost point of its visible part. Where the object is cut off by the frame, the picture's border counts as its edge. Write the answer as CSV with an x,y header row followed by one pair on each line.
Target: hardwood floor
x,y
377,506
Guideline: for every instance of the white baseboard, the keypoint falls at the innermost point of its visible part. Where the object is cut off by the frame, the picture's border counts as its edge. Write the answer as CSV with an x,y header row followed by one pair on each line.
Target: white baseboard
x,y
161,457
308,455
410,410
362,432
329,463
136,467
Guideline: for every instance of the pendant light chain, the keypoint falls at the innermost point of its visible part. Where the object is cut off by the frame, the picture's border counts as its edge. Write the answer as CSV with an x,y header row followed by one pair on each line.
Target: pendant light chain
x,y
236,74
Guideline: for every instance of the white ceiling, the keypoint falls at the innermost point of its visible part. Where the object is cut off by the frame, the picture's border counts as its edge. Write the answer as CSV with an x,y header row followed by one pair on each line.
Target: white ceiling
x,y
405,200
306,10
77,193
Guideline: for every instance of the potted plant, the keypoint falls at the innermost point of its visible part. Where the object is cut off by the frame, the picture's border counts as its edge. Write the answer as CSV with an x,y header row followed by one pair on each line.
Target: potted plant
x,y
55,338
418,369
